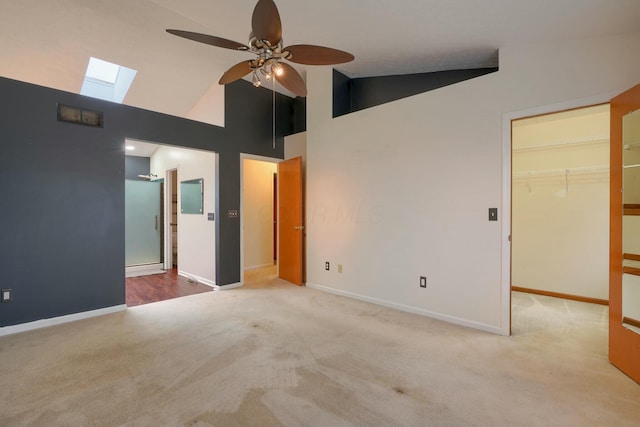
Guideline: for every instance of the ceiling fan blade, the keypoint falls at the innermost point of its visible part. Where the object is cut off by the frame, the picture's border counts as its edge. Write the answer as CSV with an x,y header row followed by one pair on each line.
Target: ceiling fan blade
x,y
317,55
292,80
236,72
265,22
207,39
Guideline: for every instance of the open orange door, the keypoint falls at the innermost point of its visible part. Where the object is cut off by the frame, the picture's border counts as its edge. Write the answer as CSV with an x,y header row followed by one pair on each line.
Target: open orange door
x,y
624,261
291,234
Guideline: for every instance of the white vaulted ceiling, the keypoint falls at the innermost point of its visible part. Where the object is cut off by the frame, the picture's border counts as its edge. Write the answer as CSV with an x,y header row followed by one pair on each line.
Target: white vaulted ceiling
x,y
49,42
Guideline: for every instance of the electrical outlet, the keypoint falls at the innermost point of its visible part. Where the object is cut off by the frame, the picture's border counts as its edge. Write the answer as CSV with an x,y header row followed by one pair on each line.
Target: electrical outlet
x,y
327,266
423,281
339,268
5,295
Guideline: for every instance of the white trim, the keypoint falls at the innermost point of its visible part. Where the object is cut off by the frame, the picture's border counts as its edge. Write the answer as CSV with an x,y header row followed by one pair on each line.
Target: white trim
x,y
410,309
168,216
505,280
143,267
505,267
255,267
228,287
198,279
244,156
44,323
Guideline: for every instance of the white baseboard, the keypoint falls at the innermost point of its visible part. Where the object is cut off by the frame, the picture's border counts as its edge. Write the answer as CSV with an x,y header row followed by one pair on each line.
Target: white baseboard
x,y
38,324
255,267
229,286
197,278
409,309
143,267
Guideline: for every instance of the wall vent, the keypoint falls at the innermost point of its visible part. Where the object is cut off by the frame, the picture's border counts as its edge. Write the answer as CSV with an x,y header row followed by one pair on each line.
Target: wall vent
x,y
80,116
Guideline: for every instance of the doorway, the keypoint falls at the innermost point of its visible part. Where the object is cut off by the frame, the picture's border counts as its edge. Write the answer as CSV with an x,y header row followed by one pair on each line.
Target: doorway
x,y
186,261
259,242
559,204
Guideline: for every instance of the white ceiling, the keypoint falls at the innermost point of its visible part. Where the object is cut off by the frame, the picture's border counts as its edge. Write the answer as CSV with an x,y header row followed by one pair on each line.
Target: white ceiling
x,y
49,42
139,148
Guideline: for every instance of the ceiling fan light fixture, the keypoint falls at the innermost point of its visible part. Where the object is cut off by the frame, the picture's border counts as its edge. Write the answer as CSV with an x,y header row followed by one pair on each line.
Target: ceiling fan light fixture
x,y
256,80
267,74
277,69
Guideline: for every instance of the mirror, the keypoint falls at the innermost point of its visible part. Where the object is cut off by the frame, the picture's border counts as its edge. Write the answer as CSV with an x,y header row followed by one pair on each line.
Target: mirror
x,y
631,221
191,195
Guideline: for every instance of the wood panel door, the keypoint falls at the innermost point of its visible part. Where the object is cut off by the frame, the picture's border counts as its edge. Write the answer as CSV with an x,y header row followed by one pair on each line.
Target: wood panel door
x,y
624,343
291,221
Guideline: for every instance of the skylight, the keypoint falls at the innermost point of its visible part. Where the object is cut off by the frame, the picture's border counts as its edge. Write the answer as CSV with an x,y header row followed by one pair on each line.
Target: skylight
x,y
102,70
108,81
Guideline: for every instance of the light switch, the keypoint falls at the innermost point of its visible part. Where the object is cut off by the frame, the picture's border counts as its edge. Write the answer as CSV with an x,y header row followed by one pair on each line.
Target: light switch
x,y
493,214
6,295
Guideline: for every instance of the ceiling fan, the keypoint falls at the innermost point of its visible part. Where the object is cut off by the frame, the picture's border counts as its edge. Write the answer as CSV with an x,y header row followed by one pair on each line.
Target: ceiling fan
x,y
265,41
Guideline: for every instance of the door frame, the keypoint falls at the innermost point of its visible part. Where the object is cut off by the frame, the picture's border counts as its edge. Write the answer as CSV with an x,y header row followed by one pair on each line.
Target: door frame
x,y
244,156
507,118
168,206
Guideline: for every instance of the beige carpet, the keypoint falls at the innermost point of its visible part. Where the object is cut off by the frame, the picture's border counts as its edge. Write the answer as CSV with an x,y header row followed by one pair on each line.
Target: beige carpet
x,y
262,274
278,354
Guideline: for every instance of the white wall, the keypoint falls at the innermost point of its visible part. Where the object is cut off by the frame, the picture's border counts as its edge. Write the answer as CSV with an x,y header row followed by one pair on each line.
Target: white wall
x,y
210,107
402,190
258,213
196,235
560,238
296,146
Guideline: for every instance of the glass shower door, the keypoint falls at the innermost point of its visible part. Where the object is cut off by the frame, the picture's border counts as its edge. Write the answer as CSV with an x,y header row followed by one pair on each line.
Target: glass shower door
x,y
142,222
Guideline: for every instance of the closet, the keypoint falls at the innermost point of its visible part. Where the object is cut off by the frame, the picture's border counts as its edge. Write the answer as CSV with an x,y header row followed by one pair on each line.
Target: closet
x,y
560,204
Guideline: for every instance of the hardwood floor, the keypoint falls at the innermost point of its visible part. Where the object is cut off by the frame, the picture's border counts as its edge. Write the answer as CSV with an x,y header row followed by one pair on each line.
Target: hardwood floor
x,y
159,287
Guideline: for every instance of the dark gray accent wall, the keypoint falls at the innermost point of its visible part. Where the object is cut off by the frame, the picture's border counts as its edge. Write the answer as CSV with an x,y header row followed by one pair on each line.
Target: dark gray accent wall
x,y
249,123
135,165
342,94
62,245
351,95
299,116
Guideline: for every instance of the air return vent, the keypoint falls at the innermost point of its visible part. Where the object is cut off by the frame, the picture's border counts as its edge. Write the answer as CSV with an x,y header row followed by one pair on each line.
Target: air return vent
x,y
79,116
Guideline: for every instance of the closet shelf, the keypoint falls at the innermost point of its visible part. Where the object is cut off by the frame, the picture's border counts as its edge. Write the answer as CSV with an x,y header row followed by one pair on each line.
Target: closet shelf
x,y
632,145
601,139
563,172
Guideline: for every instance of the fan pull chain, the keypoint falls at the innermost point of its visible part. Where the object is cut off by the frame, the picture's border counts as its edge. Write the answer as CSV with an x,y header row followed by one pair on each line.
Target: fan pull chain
x,y
273,107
